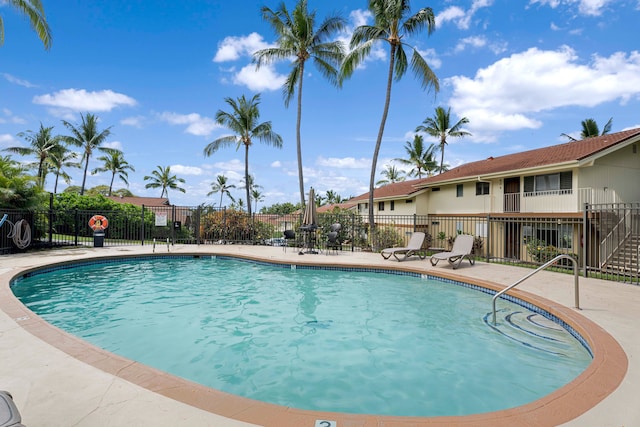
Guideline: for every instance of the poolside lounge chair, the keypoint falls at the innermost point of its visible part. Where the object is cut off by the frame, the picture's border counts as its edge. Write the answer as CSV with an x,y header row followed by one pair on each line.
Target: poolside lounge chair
x,y
462,247
414,247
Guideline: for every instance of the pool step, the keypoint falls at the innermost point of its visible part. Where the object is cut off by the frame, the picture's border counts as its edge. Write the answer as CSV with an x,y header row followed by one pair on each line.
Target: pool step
x,y
531,330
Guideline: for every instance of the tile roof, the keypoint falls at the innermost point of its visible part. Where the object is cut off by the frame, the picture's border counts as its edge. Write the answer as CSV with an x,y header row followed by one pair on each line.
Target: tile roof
x,y
139,201
397,189
546,156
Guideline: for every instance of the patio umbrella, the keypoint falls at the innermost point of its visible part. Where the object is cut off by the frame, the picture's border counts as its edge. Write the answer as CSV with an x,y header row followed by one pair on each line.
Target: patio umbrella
x,y
310,218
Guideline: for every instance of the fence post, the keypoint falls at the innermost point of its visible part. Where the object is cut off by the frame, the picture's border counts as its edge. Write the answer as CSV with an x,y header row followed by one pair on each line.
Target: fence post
x,y
76,226
50,219
487,250
415,216
142,227
173,227
197,226
584,239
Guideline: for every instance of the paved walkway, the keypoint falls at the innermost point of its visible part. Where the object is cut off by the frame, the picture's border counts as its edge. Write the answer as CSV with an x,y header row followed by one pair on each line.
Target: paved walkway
x,y
53,388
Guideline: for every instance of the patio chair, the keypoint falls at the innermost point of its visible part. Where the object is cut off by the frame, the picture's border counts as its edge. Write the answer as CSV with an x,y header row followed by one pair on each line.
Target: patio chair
x,y
9,414
332,242
289,235
414,247
462,247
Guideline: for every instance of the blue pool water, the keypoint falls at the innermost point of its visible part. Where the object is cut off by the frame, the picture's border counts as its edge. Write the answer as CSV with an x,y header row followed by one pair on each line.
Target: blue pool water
x,y
356,342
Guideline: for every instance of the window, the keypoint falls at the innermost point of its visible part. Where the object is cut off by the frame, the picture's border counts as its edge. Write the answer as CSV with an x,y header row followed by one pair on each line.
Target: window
x,y
459,189
435,189
392,205
409,201
559,183
380,206
482,188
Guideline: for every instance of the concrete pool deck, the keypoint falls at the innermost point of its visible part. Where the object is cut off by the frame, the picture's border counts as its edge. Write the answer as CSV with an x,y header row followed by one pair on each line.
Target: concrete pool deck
x,y
84,386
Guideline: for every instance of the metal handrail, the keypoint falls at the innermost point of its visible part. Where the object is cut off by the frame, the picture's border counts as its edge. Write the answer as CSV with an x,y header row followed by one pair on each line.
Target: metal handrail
x,y
542,267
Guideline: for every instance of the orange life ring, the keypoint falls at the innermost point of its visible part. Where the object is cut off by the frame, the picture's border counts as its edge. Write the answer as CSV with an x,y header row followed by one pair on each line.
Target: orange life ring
x,y
98,222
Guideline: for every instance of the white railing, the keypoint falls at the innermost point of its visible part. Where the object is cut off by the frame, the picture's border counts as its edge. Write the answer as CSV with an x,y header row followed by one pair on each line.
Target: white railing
x,y
595,196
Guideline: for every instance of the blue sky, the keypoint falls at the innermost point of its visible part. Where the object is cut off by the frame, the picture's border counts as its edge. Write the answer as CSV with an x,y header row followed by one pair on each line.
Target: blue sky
x,y
522,72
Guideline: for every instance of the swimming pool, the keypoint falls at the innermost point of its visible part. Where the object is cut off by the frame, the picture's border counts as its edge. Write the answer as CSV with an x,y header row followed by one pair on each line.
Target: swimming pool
x,y
311,315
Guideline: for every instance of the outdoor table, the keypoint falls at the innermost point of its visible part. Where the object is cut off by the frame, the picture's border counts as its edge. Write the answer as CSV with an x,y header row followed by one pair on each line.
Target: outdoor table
x,y
309,232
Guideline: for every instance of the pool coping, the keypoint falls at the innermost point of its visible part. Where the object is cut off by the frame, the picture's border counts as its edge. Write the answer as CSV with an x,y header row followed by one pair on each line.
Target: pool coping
x,y
601,377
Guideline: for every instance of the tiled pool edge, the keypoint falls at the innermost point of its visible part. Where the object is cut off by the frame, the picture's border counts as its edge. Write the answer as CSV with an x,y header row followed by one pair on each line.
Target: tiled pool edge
x,y
599,380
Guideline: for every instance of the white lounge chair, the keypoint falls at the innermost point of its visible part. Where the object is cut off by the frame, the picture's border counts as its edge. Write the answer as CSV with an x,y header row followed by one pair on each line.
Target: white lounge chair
x,y
462,247
414,247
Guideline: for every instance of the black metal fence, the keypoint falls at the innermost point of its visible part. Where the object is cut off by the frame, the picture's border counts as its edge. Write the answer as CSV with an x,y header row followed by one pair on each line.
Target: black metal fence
x,y
609,248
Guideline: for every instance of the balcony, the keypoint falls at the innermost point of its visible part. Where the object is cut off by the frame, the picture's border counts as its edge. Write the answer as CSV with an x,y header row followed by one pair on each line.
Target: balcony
x,y
557,201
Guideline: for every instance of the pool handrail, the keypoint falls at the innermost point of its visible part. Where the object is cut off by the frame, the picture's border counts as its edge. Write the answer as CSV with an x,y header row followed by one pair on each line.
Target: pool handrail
x,y
542,267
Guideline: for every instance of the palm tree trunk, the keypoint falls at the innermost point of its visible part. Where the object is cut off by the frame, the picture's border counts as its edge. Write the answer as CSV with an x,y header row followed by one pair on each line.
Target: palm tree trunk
x,y
442,156
221,196
84,177
55,186
298,138
113,175
246,177
374,160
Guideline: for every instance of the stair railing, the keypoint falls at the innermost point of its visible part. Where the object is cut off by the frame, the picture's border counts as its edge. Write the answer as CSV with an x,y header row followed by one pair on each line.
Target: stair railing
x,y
542,267
608,246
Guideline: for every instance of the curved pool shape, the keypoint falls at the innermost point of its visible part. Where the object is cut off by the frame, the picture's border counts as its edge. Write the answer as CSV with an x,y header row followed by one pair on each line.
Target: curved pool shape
x,y
315,339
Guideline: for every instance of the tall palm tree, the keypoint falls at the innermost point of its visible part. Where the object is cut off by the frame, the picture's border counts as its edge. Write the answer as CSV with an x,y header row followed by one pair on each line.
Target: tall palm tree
x,y
243,122
114,162
162,178
422,160
393,24
252,185
257,196
41,144
298,38
590,129
17,189
33,10
439,126
88,136
391,174
59,158
221,186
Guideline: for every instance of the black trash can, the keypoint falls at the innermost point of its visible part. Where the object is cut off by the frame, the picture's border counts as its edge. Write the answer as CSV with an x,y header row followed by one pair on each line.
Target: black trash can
x,y
98,238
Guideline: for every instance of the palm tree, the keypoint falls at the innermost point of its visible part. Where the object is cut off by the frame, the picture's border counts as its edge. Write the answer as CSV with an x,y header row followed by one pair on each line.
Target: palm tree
x,y
392,25
162,178
252,185
332,198
243,121
299,39
391,174
115,163
42,143
17,189
257,196
221,186
88,136
590,129
439,126
422,160
33,10
59,158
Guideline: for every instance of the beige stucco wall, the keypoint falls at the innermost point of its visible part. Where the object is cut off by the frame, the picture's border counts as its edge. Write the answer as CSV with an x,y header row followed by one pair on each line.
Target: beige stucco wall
x,y
618,172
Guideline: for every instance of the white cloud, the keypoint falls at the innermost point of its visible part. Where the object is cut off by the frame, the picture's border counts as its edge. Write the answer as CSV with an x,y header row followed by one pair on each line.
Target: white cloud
x,y
460,17
233,48
186,170
585,7
113,144
196,124
345,162
505,95
133,121
9,117
265,78
17,81
234,165
6,140
276,164
81,100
